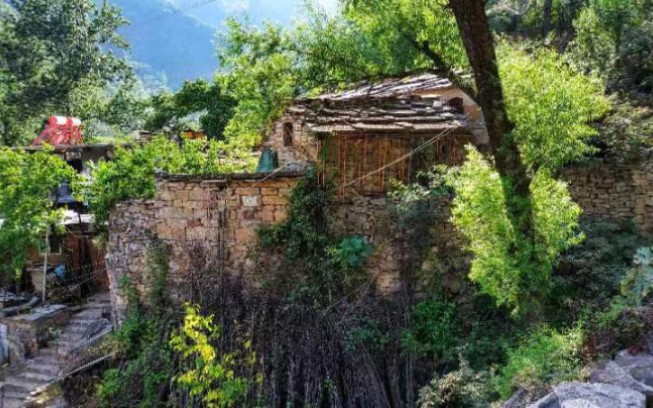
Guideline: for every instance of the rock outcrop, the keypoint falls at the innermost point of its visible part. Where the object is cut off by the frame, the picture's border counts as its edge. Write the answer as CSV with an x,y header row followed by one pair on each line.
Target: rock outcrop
x,y
586,395
625,382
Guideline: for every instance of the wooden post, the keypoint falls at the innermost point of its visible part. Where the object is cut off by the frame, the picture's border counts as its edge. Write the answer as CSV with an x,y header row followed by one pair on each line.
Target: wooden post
x,y
45,263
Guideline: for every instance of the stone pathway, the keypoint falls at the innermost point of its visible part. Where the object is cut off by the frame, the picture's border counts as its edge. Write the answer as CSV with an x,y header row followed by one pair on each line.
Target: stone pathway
x,y
24,386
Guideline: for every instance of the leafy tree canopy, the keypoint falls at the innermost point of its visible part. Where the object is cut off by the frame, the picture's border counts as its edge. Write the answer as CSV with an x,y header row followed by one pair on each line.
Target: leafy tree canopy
x,y
51,52
27,181
195,97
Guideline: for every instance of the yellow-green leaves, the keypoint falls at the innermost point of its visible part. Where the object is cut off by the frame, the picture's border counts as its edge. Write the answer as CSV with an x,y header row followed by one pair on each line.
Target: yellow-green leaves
x,y
551,105
555,218
208,373
508,265
480,213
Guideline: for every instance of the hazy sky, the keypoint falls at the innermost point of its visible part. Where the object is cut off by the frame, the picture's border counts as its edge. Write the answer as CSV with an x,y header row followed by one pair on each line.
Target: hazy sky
x,y
277,10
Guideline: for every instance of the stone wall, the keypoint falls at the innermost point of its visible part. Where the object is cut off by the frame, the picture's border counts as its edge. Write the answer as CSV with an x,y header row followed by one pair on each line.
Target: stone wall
x,y
201,221
614,189
208,220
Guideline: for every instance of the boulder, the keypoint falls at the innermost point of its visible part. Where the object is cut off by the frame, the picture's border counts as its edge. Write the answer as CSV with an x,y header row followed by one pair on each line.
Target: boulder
x,y
614,374
597,395
639,366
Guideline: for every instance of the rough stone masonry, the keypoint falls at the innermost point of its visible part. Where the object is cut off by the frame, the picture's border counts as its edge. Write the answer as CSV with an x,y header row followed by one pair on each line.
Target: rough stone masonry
x,y
214,219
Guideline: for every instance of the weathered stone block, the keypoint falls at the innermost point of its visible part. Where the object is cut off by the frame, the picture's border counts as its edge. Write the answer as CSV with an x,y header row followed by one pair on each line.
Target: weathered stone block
x,y
251,200
247,191
274,200
243,235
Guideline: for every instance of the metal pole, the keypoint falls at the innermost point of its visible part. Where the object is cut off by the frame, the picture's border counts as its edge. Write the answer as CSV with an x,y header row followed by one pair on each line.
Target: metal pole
x,y
45,262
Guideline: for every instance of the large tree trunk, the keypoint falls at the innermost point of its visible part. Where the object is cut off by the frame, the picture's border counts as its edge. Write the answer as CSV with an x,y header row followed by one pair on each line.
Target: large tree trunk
x,y
479,45
546,23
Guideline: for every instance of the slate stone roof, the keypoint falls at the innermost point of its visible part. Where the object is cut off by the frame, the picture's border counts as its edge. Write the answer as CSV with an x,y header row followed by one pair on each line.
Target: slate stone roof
x,y
391,87
394,105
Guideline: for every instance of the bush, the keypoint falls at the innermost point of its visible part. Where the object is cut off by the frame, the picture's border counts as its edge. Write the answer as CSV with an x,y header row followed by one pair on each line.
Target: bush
x,y
463,388
146,360
26,208
131,173
317,264
589,275
544,358
207,372
435,330
637,285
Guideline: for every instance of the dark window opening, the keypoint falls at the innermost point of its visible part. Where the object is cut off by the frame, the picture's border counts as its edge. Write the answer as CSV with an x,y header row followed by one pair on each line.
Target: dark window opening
x,y
456,104
76,164
287,134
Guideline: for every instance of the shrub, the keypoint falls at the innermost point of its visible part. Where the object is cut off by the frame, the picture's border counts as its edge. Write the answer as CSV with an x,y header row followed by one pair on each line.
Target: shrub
x,y
589,275
462,388
638,282
206,372
434,330
317,263
26,208
146,360
353,251
508,265
131,173
545,357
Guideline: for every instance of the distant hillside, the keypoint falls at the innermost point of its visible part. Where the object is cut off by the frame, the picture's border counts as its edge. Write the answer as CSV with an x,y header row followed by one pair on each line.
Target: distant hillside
x,y
163,40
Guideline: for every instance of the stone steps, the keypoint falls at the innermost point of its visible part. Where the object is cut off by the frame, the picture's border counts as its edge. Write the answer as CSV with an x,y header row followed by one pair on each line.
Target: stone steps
x,y
39,372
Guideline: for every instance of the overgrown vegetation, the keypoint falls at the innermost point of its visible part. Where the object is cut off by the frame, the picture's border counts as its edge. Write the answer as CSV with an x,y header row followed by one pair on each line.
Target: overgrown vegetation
x,y
146,360
207,373
318,265
165,361
130,174
545,357
547,292
27,181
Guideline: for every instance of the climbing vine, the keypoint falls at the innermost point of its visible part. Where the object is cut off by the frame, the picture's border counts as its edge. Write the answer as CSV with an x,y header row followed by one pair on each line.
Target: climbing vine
x,y
318,264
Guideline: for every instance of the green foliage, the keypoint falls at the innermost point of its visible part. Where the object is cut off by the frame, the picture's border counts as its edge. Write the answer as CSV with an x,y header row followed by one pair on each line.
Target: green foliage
x,y
131,172
258,71
638,282
589,275
463,388
551,105
434,331
317,264
614,39
526,18
170,110
544,358
508,266
263,69
54,53
409,32
27,181
353,251
206,372
141,342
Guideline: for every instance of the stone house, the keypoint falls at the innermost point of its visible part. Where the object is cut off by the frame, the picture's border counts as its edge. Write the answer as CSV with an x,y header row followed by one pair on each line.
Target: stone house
x,y
378,132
